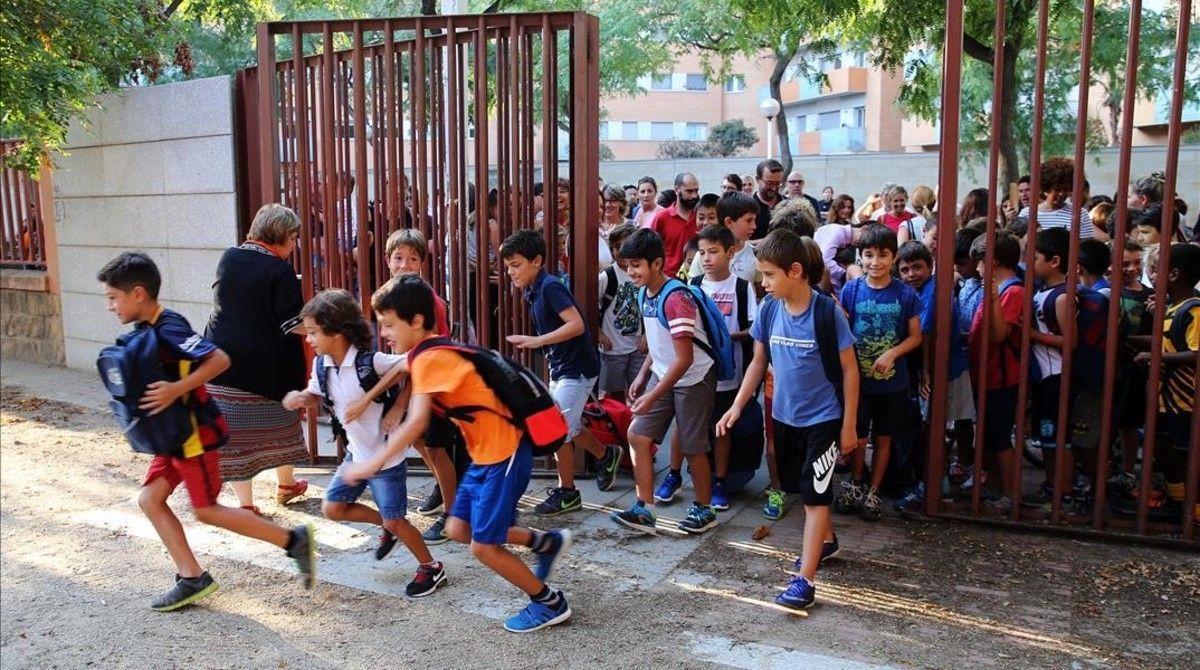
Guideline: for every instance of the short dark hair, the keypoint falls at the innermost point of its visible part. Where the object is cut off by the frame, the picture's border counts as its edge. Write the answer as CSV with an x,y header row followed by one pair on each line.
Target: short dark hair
x,y
1096,200
735,205
962,243
648,180
666,197
336,313
1053,242
407,296
719,234
769,165
1025,179
1019,226
130,269
643,245
782,248
527,243
1133,245
1186,258
626,187
877,236
1094,256
710,200
619,234
1150,217
538,188
914,251
693,244
735,179
1008,249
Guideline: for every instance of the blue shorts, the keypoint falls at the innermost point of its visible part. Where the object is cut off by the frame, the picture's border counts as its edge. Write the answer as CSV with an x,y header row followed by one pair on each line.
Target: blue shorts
x,y
389,488
487,496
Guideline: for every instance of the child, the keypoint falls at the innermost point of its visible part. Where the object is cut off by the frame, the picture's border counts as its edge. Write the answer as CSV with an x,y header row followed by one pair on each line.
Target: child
x,y
735,298
689,259
706,212
1131,402
622,346
574,364
813,421
682,382
1050,309
336,330
739,213
885,319
1146,226
485,509
1094,260
131,283
1002,336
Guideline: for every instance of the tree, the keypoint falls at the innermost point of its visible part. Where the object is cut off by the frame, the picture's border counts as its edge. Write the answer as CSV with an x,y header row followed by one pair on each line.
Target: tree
x,y
606,153
730,137
675,149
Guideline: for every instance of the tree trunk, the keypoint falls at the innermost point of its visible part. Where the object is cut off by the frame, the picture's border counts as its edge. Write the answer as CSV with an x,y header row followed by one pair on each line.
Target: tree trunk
x,y
1009,161
782,60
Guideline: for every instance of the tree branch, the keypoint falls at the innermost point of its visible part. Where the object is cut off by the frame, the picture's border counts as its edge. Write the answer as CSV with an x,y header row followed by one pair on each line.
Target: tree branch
x,y
171,8
977,50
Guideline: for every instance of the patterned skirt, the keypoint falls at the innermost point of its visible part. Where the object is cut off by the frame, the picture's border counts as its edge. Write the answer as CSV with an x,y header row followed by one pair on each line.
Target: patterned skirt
x,y
262,434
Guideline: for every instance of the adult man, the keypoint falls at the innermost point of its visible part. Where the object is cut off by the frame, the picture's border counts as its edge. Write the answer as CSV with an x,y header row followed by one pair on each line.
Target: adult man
x,y
676,224
769,176
795,189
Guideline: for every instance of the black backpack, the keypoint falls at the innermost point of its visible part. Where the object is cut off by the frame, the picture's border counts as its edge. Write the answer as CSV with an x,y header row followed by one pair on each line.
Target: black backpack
x,y
825,325
524,393
364,367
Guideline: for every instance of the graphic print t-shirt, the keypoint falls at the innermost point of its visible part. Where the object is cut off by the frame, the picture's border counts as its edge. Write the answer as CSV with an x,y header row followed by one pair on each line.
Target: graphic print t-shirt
x,y
724,295
879,320
622,321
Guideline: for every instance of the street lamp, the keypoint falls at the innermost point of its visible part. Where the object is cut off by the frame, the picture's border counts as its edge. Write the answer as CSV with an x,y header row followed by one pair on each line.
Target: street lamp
x,y
769,108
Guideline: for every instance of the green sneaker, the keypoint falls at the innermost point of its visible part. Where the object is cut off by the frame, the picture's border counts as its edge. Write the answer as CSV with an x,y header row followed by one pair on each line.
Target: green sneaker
x,y
303,550
559,501
185,592
773,510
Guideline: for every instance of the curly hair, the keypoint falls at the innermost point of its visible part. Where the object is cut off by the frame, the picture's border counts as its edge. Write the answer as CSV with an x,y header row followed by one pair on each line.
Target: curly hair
x,y
1058,173
336,313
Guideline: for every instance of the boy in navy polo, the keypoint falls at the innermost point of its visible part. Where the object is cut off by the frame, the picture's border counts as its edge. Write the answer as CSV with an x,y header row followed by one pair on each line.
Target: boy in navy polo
x,y
574,364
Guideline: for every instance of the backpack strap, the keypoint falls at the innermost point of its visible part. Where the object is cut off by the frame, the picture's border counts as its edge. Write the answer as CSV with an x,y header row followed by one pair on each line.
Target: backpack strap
x,y
610,289
1049,311
825,327
766,314
364,367
697,281
743,305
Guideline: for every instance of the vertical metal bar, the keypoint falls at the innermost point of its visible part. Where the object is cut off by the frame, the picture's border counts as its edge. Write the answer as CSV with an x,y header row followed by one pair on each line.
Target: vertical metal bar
x,y
268,137
302,161
483,228
360,168
550,142
329,229
457,193
585,166
393,154
948,193
1174,132
506,54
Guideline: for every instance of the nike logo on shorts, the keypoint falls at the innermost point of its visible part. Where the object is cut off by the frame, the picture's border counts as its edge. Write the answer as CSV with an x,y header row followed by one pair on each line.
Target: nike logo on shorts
x,y
823,468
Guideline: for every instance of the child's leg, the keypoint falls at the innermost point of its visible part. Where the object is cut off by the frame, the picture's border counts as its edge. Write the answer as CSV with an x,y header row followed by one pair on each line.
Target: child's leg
x,y
352,512
879,461
701,477
502,562
818,529
411,537
643,466
693,408
676,451
571,395
153,501
443,471
389,488
589,443
243,522
565,461
720,456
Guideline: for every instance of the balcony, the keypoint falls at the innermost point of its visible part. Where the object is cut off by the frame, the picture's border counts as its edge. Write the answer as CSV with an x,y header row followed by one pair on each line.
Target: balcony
x,y
842,81
831,141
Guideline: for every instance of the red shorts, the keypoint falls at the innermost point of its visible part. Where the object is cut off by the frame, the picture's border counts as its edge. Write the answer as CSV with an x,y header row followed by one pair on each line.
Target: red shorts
x,y
200,474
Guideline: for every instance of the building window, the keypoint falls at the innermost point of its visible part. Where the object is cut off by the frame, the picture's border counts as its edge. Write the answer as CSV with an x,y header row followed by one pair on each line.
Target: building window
x,y
830,120
860,117
696,82
660,82
603,130
859,59
629,130
697,131
800,123
735,83
662,130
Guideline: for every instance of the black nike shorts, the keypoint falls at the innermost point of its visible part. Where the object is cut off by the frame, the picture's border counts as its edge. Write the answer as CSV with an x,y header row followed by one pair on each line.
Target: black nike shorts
x,y
805,458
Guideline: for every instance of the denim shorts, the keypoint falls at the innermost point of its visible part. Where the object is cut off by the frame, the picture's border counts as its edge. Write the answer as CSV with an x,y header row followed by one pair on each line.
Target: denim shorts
x,y
571,395
389,488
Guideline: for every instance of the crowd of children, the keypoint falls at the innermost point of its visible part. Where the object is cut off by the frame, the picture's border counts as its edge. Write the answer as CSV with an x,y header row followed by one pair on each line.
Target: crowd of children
x,y
707,304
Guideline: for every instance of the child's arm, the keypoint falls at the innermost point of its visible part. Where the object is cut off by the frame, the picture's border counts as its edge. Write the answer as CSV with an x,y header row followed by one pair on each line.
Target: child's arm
x,y
850,382
679,366
639,381
572,327
887,360
161,395
1062,311
755,372
392,377
393,416
296,400
415,423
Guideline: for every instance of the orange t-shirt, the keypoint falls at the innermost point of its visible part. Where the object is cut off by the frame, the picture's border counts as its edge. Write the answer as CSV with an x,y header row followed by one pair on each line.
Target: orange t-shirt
x,y
453,382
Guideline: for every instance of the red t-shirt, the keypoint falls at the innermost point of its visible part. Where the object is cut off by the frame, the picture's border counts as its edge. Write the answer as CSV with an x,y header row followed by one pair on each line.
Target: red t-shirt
x,y
675,232
894,222
1004,358
440,317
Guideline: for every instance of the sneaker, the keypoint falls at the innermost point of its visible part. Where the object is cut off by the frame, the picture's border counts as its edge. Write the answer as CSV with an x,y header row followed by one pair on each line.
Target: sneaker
x,y
773,509
828,550
428,579
432,505
560,542
436,534
559,501
872,506
911,504
1122,482
286,494
699,519
304,552
970,480
387,542
185,592
720,499
850,499
606,474
1001,505
665,492
956,473
638,518
537,616
799,594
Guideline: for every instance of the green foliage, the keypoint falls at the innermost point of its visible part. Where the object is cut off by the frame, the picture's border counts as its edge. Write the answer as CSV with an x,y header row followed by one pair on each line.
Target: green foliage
x,y
730,137
673,149
606,153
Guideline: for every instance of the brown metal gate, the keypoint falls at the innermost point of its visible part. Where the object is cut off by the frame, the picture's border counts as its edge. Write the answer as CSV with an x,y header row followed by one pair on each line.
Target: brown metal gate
x,y
1176,528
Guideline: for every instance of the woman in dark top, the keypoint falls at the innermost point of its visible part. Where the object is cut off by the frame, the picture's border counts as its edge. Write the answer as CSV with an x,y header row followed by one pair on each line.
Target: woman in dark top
x,y
256,290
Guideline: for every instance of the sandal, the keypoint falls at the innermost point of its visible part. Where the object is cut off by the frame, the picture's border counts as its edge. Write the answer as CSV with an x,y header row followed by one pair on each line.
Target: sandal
x,y
253,508
286,494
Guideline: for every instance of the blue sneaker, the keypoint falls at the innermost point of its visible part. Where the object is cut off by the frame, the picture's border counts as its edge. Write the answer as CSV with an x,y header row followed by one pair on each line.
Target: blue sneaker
x,y
828,550
638,518
665,492
537,616
720,499
912,504
773,509
560,542
799,594
699,519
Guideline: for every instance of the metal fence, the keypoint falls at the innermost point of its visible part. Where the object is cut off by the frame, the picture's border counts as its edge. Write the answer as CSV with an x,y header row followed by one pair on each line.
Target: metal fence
x,y
22,233
1174,462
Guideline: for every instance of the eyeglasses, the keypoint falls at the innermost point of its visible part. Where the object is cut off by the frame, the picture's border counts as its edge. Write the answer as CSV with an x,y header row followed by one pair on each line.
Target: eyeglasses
x,y
795,181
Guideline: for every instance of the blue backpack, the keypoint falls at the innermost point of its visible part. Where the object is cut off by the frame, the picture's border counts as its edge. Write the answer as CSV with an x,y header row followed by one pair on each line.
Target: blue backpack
x,y
126,370
720,345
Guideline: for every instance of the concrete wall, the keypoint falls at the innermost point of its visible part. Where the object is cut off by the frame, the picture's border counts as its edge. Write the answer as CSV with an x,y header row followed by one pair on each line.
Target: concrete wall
x,y
861,174
30,318
156,174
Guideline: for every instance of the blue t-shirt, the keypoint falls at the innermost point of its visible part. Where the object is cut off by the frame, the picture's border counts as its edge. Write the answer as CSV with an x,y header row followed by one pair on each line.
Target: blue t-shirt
x,y
803,395
958,333
577,357
970,296
928,306
879,320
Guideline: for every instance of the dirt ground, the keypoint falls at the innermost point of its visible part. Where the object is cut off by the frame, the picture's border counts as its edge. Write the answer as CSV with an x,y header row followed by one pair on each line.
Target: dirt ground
x,y
77,570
